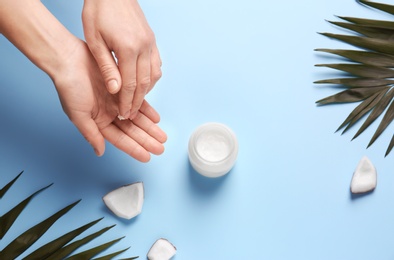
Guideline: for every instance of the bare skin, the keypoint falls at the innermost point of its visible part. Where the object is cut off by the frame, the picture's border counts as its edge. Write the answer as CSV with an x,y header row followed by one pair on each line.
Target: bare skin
x,y
120,27
76,76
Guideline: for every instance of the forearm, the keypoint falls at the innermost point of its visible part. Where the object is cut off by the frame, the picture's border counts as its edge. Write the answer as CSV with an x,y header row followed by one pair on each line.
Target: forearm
x,y
36,33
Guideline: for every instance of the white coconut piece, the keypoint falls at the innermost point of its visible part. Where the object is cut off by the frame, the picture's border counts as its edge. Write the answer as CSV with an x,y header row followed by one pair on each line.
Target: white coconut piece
x,y
126,201
162,249
364,177
121,117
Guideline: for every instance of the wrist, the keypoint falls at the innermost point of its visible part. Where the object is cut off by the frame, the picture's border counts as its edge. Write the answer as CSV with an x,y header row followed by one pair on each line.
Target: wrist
x,y
36,33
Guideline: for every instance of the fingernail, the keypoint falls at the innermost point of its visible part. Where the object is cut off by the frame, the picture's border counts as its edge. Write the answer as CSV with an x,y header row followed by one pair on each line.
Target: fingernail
x,y
127,115
96,152
113,86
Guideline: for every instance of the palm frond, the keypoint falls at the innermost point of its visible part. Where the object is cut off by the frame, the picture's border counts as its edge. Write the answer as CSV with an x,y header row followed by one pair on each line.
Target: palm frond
x,y
8,185
388,117
29,237
373,44
369,69
357,82
89,254
376,112
361,70
391,145
111,256
50,248
369,31
365,57
351,95
369,22
361,110
383,7
9,218
59,248
69,249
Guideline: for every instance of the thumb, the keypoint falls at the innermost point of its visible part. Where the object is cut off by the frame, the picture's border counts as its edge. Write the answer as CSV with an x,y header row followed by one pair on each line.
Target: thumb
x,y
106,61
92,134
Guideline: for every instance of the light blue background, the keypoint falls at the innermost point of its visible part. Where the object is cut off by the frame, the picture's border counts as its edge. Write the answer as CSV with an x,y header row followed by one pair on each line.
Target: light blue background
x,y
248,64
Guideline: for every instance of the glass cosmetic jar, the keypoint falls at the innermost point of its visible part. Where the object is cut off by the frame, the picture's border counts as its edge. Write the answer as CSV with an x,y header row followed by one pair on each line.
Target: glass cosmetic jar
x,y
213,149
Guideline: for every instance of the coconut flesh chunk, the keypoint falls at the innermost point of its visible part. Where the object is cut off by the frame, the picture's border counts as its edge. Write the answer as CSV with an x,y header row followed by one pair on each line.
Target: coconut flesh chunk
x,y
126,201
364,177
162,249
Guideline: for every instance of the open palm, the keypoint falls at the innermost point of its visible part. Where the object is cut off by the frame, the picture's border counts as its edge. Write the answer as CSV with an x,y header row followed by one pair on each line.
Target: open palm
x,y
94,111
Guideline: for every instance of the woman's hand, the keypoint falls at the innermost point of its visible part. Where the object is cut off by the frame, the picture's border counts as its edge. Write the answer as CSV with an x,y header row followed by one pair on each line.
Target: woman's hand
x,y
119,27
67,60
94,111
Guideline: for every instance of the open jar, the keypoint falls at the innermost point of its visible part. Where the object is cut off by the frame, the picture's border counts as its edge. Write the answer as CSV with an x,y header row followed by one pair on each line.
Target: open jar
x,y
213,149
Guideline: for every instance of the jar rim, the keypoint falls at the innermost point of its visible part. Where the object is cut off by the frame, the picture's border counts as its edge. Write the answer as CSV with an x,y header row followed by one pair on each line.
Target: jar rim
x,y
224,132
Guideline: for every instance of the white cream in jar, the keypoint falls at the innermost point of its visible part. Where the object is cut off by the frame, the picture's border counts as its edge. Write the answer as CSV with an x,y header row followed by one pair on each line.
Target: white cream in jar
x,y
213,149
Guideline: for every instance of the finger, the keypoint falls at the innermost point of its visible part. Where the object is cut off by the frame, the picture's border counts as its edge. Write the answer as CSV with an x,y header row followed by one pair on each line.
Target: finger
x,y
88,128
156,64
150,112
108,67
148,142
128,71
143,82
125,143
152,129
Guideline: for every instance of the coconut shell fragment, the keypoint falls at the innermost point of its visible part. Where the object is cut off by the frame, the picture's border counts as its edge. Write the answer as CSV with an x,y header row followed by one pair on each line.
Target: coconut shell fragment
x,y
364,177
162,249
126,201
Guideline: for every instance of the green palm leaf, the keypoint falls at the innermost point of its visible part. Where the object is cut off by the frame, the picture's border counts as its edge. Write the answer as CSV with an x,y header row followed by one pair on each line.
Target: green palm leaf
x,y
89,254
8,185
357,82
391,145
67,250
388,117
9,218
29,237
370,71
376,112
365,57
361,70
369,31
369,22
59,248
111,256
384,7
361,110
351,95
51,247
374,44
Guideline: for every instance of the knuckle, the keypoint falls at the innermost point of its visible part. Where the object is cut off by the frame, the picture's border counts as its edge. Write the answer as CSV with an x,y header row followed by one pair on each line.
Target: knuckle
x,y
157,74
144,83
95,44
145,40
106,70
130,86
130,48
